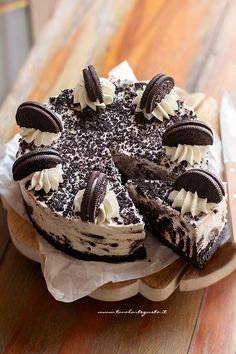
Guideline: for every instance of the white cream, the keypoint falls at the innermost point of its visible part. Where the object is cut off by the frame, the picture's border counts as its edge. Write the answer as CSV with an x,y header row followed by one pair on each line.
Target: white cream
x,y
190,202
108,209
81,96
46,179
190,153
38,137
164,109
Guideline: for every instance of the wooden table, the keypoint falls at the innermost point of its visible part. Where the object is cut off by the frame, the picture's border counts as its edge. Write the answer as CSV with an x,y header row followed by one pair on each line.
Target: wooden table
x,y
195,42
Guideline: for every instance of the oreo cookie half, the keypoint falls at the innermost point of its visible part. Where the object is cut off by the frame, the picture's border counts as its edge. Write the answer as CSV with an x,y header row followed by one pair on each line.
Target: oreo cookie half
x,y
35,160
189,133
35,115
94,195
205,183
92,84
155,91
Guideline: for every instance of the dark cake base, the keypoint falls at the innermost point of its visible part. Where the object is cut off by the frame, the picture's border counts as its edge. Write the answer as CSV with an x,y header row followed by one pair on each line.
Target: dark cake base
x,y
139,253
198,260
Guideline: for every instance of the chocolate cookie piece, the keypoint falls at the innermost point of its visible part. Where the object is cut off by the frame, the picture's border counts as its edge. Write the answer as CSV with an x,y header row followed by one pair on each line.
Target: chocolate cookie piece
x,y
92,84
94,195
148,90
189,133
205,183
35,115
35,160
97,83
155,91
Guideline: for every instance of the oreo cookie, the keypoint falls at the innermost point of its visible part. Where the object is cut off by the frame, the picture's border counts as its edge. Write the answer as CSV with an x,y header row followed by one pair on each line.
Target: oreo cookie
x,y
205,183
94,195
92,84
35,115
189,133
35,160
155,91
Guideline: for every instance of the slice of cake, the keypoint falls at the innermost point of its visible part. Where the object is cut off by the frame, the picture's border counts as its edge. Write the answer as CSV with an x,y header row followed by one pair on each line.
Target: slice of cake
x,y
188,215
75,147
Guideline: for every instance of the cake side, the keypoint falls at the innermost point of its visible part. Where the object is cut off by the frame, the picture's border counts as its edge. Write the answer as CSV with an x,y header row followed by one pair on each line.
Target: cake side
x,y
88,241
195,238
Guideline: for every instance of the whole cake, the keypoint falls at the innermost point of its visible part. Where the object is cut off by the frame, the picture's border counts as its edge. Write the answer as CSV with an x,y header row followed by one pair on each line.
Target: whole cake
x,y
78,150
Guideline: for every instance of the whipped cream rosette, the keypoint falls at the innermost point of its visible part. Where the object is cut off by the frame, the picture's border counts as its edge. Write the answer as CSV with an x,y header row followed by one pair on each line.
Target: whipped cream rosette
x,y
39,125
92,91
40,167
188,141
158,99
197,191
97,203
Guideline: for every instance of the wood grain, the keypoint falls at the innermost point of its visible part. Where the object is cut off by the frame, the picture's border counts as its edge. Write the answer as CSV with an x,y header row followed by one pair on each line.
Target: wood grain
x,y
219,71
215,330
208,111
72,38
222,263
133,333
35,322
175,39
22,228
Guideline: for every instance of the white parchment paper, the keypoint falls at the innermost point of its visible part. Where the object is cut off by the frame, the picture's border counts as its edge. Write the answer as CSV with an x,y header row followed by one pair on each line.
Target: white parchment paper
x,y
67,278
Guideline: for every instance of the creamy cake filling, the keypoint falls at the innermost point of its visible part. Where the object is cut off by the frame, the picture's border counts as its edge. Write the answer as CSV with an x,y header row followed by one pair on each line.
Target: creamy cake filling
x,y
187,201
108,209
190,153
81,96
47,179
38,137
166,108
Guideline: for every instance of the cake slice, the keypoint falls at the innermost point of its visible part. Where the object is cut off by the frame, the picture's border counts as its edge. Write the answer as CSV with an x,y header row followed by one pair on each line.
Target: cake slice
x,y
188,215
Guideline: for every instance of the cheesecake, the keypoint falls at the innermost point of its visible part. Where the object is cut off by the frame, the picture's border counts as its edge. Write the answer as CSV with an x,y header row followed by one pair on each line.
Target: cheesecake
x,y
78,150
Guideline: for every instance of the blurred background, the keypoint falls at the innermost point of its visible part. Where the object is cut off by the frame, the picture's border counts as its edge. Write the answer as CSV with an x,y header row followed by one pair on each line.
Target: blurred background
x,y
45,44
20,25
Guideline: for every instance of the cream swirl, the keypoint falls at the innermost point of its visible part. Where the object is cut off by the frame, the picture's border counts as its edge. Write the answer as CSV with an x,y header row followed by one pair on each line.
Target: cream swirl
x,y
190,153
46,179
163,109
38,137
81,96
187,201
108,209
